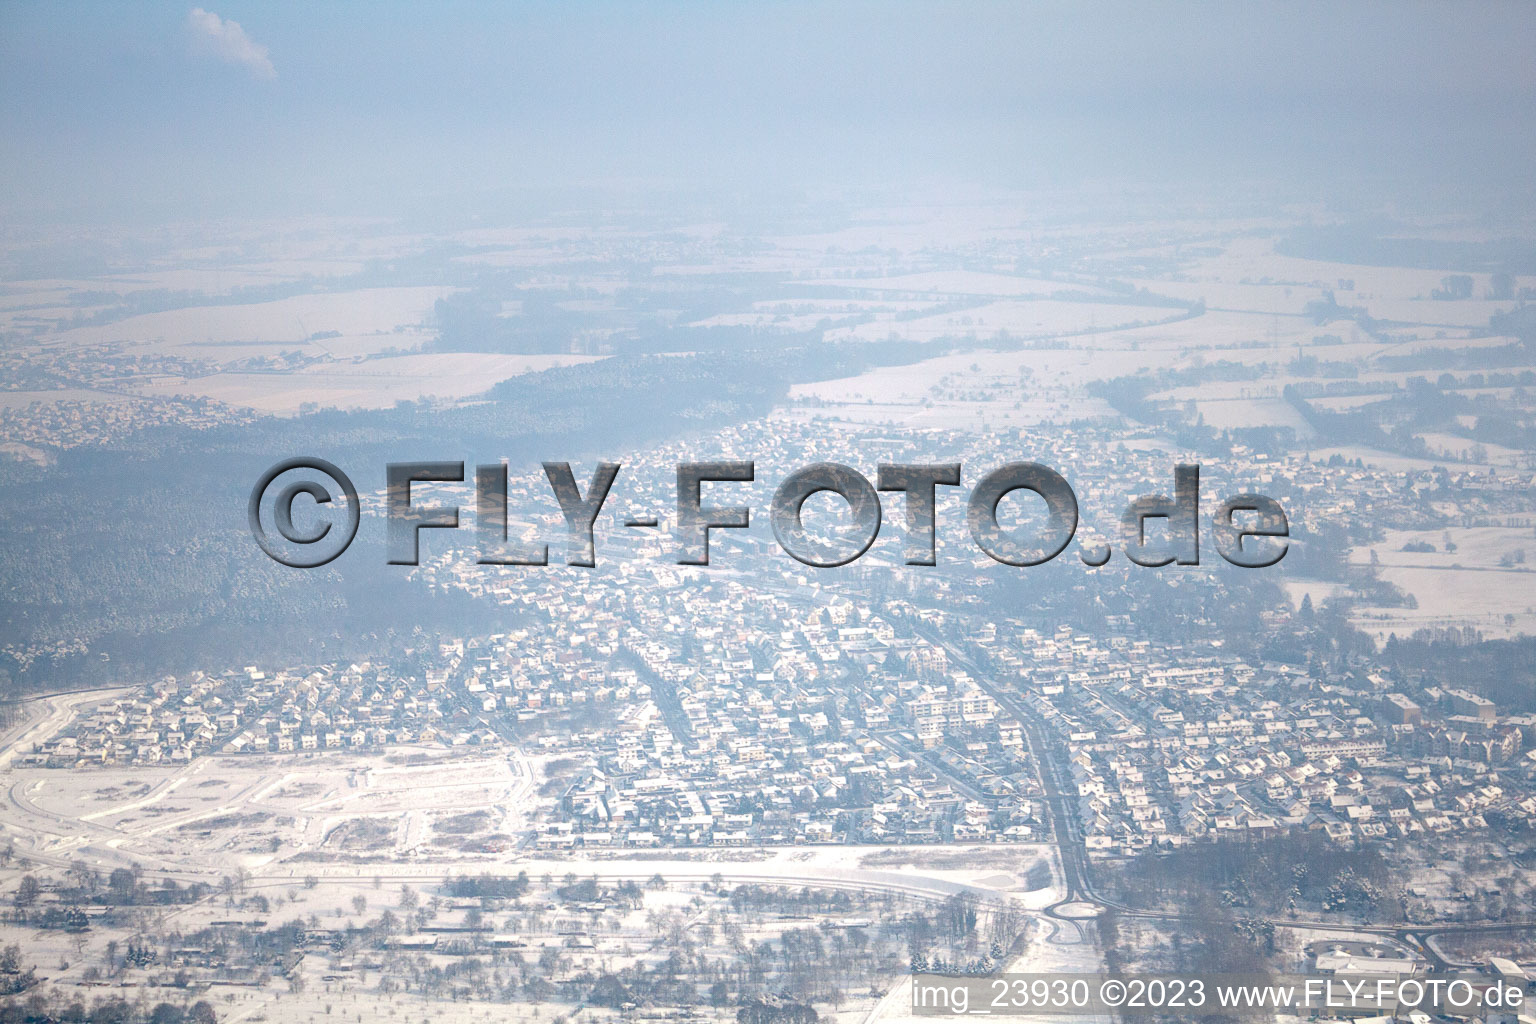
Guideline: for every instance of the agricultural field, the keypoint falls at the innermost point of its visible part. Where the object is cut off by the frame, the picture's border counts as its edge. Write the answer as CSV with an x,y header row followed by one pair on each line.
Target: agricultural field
x,y
366,384
1479,576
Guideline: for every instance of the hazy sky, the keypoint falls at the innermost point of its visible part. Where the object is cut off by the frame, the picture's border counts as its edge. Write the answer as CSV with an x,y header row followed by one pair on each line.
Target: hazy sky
x,y
242,107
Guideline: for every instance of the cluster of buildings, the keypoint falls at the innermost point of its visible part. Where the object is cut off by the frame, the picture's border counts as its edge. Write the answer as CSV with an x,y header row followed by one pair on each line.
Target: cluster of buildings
x,y
70,423
90,394
761,702
1174,747
357,706
760,722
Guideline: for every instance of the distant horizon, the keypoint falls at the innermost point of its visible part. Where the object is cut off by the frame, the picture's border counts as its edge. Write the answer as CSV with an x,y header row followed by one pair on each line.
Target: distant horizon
x,y
157,110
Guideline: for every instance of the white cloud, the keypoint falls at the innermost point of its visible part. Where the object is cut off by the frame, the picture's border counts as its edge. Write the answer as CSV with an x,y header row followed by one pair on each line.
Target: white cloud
x,y
214,37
